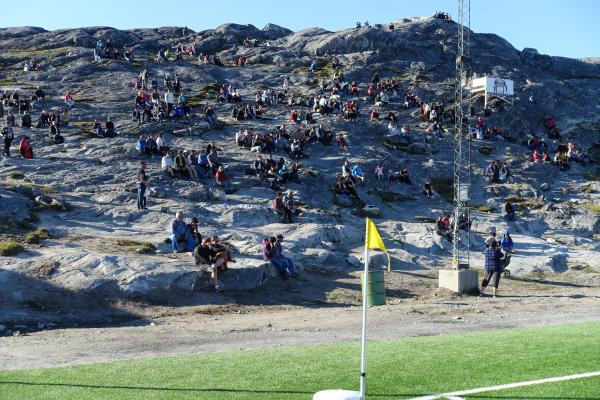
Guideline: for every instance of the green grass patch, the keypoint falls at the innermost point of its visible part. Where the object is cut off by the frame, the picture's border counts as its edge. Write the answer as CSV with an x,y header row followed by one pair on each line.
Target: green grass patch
x,y
485,150
390,197
10,248
43,188
444,186
16,175
37,235
45,53
591,207
196,100
531,203
397,369
213,88
483,208
8,81
133,245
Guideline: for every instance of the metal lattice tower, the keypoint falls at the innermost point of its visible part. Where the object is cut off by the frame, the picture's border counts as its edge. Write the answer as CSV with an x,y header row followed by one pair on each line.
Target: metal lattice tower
x,y
462,142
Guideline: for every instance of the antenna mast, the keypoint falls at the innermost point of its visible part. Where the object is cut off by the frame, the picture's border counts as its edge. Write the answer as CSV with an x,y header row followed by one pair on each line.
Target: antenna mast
x,y
462,141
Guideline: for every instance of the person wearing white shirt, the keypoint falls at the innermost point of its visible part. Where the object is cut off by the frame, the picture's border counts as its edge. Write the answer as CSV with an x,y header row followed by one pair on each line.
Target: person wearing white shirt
x,y
166,164
169,99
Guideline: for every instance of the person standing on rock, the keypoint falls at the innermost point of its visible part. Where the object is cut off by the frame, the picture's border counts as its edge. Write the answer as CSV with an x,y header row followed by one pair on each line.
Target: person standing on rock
x,y
286,86
492,267
170,100
8,136
142,185
144,79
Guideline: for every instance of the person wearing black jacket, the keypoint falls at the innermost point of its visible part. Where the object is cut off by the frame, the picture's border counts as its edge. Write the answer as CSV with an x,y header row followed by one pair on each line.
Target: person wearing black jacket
x,y
8,136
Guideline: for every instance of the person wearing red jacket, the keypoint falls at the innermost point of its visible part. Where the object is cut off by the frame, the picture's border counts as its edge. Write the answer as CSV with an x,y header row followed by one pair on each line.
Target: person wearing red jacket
x,y
222,178
25,148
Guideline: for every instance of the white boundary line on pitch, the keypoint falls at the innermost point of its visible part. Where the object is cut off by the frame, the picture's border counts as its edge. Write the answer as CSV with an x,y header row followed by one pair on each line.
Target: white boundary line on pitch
x,y
454,395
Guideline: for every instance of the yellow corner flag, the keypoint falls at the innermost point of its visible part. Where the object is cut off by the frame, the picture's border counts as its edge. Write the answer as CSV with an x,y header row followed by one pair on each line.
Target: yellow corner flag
x,y
373,240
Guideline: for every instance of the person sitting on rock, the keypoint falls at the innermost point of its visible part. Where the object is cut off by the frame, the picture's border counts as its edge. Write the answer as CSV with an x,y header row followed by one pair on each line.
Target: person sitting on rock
x,y
192,160
348,186
97,127
290,203
259,167
55,135
26,120
180,166
428,188
270,254
295,173
39,95
505,172
109,128
493,172
140,145
561,161
10,119
279,207
166,164
379,172
296,150
189,167
44,119
24,106
151,146
374,115
341,142
55,117
162,144
69,100
181,234
404,176
204,164
192,227
280,256
358,173
443,226
222,251
222,179
323,135
25,148
213,160
205,255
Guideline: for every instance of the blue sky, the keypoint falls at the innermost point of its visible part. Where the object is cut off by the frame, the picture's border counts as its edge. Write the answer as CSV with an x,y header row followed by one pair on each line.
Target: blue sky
x,y
555,27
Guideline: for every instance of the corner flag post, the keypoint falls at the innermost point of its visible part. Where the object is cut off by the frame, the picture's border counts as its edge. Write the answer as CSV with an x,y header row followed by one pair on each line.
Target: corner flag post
x,y
363,353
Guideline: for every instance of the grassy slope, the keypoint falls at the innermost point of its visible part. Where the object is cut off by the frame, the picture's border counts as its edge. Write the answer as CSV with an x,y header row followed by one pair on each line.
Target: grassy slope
x,y
396,369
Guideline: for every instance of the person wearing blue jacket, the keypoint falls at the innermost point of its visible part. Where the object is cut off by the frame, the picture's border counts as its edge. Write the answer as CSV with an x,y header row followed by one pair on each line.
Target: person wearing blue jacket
x,y
507,243
181,233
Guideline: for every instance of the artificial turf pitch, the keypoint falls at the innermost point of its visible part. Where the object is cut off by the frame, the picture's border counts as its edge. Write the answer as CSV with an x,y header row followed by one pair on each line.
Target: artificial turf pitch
x,y
396,369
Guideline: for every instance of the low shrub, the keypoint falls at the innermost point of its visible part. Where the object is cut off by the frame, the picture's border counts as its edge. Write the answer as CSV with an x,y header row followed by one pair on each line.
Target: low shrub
x,y
10,248
37,235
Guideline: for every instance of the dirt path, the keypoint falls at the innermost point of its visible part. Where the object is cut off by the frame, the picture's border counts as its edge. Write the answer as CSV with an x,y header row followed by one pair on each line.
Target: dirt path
x,y
200,329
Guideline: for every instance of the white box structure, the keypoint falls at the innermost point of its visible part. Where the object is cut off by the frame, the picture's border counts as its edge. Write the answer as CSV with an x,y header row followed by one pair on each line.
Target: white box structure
x,y
492,86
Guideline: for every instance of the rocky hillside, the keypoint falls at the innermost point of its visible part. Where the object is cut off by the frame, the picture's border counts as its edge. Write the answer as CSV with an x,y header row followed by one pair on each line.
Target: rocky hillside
x,y
82,192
